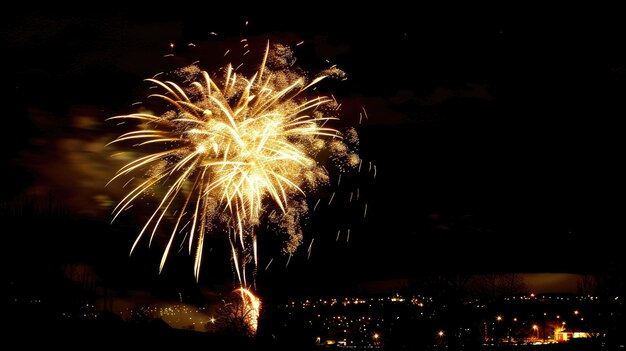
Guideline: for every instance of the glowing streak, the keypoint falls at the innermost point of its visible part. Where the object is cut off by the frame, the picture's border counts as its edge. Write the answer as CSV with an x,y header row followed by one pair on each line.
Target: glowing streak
x,y
309,249
269,263
316,203
256,252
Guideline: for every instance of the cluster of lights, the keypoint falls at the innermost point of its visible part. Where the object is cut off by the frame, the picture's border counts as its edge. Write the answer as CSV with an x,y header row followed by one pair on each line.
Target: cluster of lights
x,y
414,300
177,316
358,325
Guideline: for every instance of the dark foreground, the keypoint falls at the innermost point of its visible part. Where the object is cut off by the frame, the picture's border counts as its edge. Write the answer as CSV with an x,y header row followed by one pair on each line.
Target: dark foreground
x,y
157,335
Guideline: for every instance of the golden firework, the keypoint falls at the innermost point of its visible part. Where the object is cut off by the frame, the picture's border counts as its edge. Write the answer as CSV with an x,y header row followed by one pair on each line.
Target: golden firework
x,y
231,153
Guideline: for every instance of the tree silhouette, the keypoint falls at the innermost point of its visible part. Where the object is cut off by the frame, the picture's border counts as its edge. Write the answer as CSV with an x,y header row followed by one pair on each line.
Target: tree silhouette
x,y
233,317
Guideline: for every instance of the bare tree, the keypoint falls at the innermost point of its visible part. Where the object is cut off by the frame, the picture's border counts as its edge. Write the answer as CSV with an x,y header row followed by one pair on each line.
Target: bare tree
x,y
233,317
493,286
586,285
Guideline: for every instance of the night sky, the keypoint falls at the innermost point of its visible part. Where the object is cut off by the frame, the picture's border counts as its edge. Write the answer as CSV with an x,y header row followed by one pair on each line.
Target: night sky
x,y
497,138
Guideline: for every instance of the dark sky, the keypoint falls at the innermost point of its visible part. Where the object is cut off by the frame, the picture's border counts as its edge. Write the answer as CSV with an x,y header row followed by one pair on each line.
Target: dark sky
x,y
496,135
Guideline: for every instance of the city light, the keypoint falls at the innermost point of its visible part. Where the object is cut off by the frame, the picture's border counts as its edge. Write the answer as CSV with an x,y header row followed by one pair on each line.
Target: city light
x,y
536,329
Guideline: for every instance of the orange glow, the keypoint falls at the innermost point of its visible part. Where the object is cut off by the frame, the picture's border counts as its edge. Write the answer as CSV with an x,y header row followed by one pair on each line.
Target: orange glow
x,y
252,307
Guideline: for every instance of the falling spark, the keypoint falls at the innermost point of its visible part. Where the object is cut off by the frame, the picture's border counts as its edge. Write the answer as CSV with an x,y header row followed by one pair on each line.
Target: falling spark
x,y
338,233
269,263
288,260
374,171
309,249
331,198
316,203
348,236
300,43
365,211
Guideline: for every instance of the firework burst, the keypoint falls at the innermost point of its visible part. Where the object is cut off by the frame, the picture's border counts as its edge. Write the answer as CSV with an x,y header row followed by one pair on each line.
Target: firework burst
x,y
231,153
